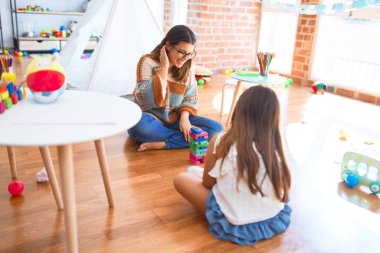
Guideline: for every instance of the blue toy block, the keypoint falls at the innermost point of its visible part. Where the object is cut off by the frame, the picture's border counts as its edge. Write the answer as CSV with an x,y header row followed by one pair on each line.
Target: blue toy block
x,y
10,88
19,94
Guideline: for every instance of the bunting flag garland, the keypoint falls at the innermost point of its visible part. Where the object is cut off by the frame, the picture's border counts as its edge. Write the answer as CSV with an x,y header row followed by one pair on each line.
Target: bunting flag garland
x,y
338,7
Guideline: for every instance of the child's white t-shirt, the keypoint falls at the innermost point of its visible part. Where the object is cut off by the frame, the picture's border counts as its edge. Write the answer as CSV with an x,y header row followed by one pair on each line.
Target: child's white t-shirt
x,y
242,207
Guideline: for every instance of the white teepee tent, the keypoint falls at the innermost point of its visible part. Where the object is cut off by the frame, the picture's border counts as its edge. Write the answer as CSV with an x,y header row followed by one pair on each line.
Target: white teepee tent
x,y
128,30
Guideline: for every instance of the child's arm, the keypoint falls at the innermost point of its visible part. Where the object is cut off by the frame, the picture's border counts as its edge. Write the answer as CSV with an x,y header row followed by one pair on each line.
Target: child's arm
x,y
209,181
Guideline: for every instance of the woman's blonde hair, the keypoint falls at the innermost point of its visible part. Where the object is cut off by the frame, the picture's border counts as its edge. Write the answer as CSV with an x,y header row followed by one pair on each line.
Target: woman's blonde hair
x,y
178,33
255,120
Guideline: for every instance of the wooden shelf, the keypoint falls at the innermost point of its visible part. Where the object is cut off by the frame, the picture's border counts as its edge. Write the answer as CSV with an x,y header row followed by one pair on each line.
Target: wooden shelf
x,y
51,12
47,39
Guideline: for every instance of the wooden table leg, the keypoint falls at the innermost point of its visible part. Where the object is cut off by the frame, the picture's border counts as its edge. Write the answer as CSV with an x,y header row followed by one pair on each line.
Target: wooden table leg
x,y
66,168
234,100
222,102
12,161
46,157
101,151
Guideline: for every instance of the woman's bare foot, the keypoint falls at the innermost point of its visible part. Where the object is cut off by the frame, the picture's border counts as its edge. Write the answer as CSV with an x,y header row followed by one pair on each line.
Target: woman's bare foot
x,y
151,146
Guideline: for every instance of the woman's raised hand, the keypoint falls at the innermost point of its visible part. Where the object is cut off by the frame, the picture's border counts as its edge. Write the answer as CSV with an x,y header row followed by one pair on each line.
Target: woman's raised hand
x,y
164,60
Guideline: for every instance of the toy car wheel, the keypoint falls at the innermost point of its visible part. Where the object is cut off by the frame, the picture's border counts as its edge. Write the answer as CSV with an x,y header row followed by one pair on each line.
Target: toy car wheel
x,y
345,174
374,187
352,180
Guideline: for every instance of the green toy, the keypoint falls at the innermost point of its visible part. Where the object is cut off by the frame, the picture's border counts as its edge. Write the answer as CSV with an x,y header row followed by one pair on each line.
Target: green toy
x,y
288,83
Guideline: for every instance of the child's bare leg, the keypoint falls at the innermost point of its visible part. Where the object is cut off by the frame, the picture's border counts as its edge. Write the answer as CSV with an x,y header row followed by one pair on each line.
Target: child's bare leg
x,y
192,189
151,146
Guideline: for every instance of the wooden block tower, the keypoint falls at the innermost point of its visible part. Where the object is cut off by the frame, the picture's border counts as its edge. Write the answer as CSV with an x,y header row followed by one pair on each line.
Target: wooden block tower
x,y
198,145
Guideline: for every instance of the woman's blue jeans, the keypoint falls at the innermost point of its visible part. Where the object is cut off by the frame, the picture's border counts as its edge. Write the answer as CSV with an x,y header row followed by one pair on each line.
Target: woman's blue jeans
x,y
148,129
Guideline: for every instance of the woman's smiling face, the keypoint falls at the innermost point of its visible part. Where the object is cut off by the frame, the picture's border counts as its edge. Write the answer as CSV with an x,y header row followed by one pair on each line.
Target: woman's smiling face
x,y
180,53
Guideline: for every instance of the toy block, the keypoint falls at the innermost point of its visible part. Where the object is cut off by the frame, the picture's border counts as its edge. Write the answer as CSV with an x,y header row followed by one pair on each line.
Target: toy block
x,y
10,88
23,92
14,98
203,135
202,144
199,153
8,102
19,94
196,158
194,148
198,133
195,130
4,94
2,107
198,145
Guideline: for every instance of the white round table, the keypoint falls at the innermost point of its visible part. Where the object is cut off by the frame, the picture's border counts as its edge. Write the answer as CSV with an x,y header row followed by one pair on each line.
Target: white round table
x,y
77,116
272,80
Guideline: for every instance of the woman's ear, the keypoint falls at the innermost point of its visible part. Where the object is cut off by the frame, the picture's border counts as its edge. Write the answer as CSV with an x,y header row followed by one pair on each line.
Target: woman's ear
x,y
167,45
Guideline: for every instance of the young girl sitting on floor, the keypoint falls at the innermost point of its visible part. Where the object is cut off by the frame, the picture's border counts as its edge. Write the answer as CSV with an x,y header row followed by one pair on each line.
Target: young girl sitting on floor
x,y
246,179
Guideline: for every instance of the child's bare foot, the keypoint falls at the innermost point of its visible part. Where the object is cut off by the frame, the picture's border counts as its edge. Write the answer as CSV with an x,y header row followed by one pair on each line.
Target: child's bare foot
x,y
151,146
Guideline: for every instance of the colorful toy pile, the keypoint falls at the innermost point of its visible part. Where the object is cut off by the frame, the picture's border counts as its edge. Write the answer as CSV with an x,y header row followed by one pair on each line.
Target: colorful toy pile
x,y
54,33
10,95
202,75
15,52
33,8
198,145
319,87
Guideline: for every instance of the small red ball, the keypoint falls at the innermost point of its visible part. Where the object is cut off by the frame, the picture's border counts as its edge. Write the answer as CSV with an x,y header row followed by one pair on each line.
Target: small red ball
x,y
15,187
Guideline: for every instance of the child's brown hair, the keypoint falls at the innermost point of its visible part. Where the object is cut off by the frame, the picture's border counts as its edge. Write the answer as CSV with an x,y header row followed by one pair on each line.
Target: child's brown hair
x,y
255,120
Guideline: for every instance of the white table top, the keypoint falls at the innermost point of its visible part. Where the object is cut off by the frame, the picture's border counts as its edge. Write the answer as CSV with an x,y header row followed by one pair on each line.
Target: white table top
x,y
270,79
77,116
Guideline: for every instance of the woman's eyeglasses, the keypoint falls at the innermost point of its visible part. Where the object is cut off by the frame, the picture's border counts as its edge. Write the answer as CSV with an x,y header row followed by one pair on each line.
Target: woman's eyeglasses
x,y
184,54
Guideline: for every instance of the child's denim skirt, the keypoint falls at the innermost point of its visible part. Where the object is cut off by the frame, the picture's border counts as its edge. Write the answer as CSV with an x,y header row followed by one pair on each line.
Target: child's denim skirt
x,y
245,234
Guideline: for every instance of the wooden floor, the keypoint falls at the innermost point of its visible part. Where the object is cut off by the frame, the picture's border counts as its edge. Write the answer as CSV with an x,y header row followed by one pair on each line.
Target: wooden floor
x,y
149,215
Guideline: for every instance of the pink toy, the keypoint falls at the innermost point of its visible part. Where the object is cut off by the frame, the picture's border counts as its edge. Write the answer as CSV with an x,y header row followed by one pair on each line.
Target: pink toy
x,y
15,187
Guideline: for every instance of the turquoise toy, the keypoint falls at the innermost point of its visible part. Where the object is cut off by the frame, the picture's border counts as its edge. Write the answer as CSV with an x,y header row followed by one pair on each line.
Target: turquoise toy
x,y
362,167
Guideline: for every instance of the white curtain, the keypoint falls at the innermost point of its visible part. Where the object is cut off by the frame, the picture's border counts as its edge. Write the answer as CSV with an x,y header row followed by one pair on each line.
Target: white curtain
x,y
129,30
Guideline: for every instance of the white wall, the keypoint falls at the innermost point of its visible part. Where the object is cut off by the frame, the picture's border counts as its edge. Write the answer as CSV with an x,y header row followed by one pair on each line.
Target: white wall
x,y
6,23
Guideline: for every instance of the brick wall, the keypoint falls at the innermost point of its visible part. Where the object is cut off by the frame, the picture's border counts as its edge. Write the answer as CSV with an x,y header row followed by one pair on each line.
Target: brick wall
x,y
226,32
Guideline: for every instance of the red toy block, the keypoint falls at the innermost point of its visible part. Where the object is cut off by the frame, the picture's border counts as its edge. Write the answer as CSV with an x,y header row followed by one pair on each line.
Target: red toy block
x,y
14,98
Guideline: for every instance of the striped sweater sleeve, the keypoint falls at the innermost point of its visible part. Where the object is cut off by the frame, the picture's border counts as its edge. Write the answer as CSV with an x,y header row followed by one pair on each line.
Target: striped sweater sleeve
x,y
149,91
190,100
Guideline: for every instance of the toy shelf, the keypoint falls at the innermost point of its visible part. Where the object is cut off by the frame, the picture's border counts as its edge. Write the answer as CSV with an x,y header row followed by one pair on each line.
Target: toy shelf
x,y
47,44
36,44
71,13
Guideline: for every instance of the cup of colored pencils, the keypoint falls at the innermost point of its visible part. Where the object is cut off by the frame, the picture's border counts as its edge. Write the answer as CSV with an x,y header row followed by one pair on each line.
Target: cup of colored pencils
x,y
264,61
6,62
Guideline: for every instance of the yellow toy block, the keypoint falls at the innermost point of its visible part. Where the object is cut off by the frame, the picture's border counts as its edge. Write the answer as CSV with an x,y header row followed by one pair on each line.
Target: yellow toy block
x,y
23,92
4,95
9,77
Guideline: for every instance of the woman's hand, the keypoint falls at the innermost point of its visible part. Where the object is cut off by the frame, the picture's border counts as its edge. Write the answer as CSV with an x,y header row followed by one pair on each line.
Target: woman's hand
x,y
185,125
164,63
